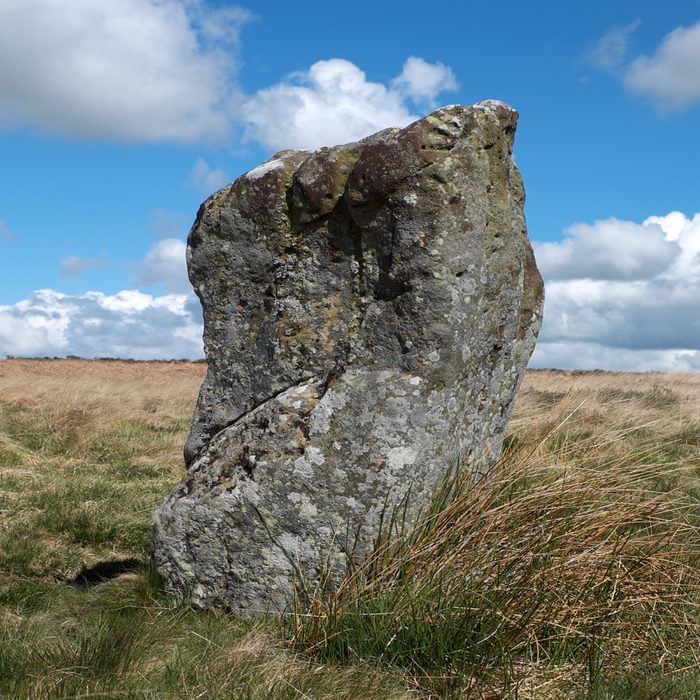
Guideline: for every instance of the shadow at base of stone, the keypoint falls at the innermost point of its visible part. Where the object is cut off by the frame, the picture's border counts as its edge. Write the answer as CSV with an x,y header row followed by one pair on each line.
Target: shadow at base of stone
x,y
105,571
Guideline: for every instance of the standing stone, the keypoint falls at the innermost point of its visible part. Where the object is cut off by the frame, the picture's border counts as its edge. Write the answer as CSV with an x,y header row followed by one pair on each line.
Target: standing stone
x,y
369,310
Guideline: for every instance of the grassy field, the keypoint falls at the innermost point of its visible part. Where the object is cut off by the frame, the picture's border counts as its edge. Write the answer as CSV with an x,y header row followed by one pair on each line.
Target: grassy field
x,y
572,574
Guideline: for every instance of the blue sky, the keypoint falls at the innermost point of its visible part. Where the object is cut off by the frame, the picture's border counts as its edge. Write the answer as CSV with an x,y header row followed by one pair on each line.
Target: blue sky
x,y
117,118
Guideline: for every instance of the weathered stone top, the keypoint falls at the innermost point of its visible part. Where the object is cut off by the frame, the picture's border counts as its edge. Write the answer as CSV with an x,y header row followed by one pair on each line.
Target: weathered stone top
x,y
303,264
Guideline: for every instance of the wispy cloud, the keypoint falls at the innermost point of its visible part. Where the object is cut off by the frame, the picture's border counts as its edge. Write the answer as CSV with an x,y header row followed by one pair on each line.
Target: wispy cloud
x,y
168,224
669,76
5,232
74,265
206,179
610,51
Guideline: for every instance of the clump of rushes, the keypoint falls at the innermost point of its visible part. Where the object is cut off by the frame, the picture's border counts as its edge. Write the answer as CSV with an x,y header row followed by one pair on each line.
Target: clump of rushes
x,y
565,568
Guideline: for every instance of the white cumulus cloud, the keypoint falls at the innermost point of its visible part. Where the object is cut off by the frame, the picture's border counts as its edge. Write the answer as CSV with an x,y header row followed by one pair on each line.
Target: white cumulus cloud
x,y
334,102
130,325
671,75
611,305
164,264
423,81
610,249
167,70
133,70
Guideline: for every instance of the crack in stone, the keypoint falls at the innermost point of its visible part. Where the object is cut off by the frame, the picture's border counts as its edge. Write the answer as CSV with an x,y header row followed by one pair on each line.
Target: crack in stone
x,y
247,413
324,385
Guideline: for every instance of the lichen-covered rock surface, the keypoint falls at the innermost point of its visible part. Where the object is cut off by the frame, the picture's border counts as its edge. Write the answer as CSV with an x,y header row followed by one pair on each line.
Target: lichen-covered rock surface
x,y
369,310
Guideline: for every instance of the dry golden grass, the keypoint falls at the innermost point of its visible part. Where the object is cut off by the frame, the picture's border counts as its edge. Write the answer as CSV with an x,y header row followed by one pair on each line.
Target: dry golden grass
x,y
670,401
68,402
115,387
76,438
107,387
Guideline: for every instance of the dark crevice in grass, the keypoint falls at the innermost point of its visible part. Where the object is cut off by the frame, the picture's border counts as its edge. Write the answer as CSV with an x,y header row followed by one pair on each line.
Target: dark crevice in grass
x,y
104,571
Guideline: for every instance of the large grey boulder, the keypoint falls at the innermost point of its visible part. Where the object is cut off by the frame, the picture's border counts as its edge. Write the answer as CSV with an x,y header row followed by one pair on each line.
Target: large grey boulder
x,y
369,310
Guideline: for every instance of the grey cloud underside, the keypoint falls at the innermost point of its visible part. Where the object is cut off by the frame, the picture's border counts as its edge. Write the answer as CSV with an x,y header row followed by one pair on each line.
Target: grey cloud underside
x,y
589,355
655,319
622,295
607,250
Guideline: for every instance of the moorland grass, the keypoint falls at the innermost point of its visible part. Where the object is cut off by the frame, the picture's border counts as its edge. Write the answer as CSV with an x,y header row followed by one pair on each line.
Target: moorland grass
x,y
571,573
553,562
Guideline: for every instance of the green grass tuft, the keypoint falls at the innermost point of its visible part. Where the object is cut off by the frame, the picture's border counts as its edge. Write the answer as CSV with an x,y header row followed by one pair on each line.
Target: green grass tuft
x,y
575,557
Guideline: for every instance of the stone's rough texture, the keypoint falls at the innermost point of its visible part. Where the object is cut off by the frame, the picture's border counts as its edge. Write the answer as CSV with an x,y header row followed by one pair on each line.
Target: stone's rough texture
x,y
369,310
